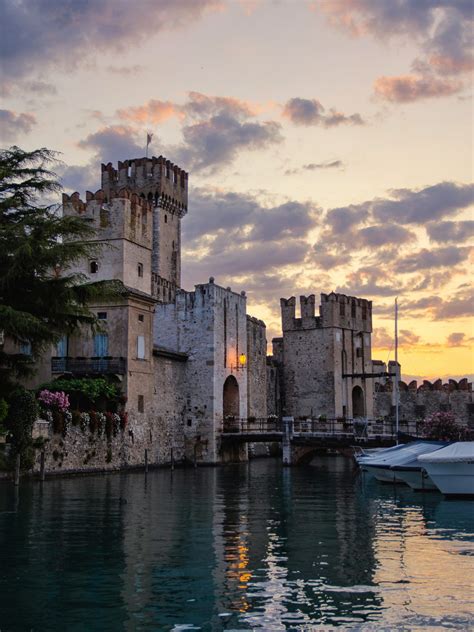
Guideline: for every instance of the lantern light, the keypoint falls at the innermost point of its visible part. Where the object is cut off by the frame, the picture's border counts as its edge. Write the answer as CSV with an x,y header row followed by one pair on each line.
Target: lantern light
x,y
242,360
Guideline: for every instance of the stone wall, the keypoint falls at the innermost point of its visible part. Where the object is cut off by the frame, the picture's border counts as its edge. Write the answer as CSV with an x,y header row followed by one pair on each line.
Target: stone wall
x,y
209,325
256,368
319,356
419,401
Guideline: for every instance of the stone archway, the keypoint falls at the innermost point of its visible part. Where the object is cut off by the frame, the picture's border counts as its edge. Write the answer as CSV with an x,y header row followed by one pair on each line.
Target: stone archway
x,y
231,400
358,406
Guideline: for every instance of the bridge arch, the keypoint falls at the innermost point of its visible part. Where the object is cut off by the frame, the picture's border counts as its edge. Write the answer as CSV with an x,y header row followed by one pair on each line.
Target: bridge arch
x,y
231,398
358,404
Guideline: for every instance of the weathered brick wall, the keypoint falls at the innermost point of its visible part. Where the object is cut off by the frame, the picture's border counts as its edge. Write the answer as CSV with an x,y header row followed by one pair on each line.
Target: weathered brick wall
x,y
419,401
315,353
256,368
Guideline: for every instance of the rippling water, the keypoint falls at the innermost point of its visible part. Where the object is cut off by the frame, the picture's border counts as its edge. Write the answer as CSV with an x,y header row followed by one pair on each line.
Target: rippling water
x,y
234,548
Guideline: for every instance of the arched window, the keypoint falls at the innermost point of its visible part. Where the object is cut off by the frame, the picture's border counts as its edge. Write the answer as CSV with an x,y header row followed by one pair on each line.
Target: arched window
x,y
93,267
166,219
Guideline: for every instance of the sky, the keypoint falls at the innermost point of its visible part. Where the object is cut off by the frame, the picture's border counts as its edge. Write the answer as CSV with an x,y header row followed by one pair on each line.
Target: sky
x,y
329,143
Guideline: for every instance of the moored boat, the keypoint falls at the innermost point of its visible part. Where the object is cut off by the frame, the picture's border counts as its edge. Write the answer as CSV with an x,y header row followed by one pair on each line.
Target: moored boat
x,y
390,466
452,468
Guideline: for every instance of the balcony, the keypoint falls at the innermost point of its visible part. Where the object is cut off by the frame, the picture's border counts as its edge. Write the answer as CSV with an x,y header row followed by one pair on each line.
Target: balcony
x,y
89,366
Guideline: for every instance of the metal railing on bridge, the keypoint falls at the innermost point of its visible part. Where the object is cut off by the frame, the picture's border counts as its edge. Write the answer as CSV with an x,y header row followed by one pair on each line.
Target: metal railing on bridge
x,y
359,427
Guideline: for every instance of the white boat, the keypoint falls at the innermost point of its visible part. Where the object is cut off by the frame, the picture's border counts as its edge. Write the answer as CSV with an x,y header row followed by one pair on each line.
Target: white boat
x,y
415,477
452,468
382,465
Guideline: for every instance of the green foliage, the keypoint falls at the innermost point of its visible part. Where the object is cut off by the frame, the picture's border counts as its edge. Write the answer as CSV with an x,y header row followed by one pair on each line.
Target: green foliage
x,y
22,414
93,389
3,410
40,300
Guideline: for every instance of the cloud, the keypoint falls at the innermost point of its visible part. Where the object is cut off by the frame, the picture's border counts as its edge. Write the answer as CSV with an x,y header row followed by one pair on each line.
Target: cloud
x,y
370,281
383,339
442,29
217,141
381,235
315,166
154,111
13,124
238,236
126,71
114,142
409,206
409,88
308,112
427,259
242,218
46,33
458,339
444,232
457,307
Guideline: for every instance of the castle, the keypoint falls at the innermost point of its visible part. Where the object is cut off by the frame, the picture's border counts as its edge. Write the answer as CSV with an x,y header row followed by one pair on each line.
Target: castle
x,y
187,361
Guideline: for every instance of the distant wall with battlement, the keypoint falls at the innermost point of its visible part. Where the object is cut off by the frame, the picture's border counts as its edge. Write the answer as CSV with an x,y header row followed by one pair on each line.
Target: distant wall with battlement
x,y
419,400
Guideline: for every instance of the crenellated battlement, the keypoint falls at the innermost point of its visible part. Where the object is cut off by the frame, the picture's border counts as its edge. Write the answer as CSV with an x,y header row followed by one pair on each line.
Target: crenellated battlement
x,y
160,181
100,196
428,386
336,310
124,216
346,312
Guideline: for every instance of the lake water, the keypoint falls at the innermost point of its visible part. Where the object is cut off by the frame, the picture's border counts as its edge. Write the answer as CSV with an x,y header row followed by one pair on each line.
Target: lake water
x,y
234,548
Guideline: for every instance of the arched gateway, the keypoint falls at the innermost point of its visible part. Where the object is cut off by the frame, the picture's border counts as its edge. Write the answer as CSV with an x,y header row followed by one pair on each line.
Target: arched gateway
x,y
358,407
231,400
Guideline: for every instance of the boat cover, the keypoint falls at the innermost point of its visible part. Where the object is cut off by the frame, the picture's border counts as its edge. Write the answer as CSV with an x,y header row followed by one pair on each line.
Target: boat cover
x,y
405,455
459,452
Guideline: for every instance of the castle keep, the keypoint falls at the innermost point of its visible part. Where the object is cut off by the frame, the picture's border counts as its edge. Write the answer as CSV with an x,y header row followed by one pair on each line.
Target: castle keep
x,y
191,363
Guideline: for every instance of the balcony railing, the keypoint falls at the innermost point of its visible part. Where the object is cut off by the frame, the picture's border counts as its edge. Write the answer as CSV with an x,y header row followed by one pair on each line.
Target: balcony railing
x,y
88,366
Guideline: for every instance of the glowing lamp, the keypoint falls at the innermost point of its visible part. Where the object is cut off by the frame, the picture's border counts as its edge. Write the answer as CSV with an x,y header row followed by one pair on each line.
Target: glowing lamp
x,y
242,360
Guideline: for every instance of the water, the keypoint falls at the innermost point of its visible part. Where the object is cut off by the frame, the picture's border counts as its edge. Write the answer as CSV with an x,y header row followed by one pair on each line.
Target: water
x,y
233,548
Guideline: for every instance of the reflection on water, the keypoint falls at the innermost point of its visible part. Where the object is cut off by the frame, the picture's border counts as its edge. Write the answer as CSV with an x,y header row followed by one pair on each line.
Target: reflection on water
x,y
233,548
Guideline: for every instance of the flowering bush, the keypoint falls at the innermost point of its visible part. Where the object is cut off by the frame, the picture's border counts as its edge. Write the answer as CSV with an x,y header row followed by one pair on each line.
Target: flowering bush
x,y
443,427
55,400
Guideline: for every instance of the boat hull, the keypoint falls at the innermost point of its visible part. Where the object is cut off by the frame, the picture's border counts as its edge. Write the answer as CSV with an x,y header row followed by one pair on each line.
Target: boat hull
x,y
416,479
452,478
382,474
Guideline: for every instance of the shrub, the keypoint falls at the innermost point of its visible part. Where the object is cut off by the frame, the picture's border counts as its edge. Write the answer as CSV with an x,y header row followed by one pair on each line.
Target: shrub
x,y
443,427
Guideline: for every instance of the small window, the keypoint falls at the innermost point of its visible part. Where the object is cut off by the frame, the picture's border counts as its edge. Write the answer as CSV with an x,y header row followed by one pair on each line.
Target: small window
x,y
342,309
359,353
141,318
364,312
141,404
166,219
141,347
140,269
25,348
353,309
93,267
102,315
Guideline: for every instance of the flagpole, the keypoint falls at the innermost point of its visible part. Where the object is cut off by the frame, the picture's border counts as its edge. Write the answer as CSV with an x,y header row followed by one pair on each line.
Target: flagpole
x,y
396,370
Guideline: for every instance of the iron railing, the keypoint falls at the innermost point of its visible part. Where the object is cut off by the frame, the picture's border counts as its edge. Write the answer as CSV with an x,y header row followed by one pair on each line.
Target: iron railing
x,y
89,366
325,427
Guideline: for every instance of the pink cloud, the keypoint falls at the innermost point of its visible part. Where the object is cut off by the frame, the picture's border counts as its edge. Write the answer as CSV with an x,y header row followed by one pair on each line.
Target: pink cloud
x,y
154,111
410,88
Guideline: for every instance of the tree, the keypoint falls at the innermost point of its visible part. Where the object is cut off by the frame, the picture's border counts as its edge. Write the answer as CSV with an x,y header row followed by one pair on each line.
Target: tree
x,y
40,300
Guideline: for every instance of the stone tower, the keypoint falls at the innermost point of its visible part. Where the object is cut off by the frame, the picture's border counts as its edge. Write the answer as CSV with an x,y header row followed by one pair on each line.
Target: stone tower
x,y
165,186
327,358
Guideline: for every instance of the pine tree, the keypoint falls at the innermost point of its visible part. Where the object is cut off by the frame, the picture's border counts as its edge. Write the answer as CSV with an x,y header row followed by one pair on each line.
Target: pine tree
x,y
40,301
